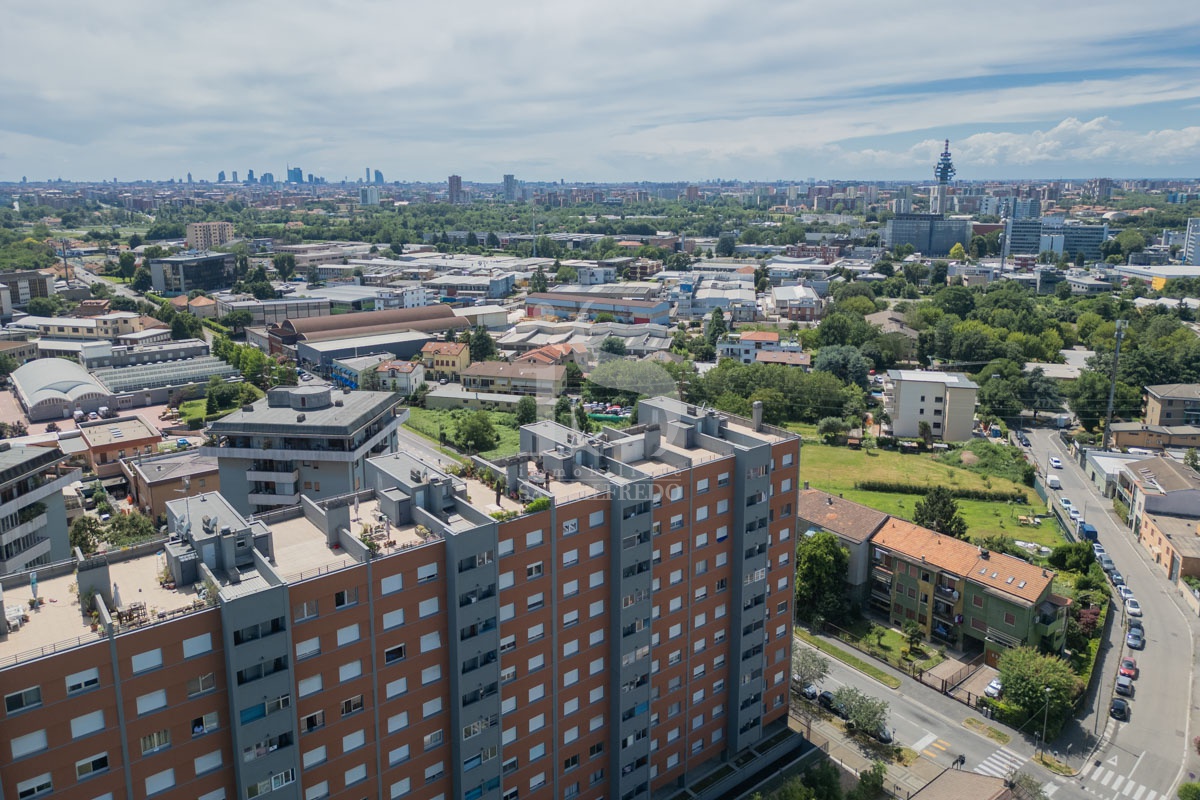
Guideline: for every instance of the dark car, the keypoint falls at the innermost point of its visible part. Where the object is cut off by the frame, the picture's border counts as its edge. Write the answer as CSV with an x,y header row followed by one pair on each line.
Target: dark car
x,y
827,702
1119,709
1136,624
1135,640
1023,439
884,735
1117,578
1125,685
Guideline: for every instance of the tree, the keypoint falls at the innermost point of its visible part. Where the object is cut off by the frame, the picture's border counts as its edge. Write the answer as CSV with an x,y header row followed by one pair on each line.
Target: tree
x,y
582,421
613,345
912,633
846,362
1189,791
958,252
938,511
562,411
831,427
864,713
1028,787
128,264
537,281
135,241
565,274
142,282
476,433
925,431
725,245
285,264
483,346
573,378
185,325
130,528
1190,458
809,667
238,320
821,568
1031,680
85,534
998,397
371,382
716,326
8,365
493,240
42,307
526,411
1040,392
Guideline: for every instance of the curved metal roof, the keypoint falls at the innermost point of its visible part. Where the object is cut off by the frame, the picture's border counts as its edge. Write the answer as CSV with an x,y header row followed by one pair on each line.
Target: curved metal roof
x,y
55,380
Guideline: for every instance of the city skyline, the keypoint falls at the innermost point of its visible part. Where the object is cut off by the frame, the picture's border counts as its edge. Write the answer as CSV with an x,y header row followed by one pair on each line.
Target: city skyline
x,y
756,92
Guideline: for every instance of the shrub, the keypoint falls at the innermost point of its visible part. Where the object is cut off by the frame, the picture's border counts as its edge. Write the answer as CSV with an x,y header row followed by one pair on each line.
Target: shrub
x,y
539,504
900,487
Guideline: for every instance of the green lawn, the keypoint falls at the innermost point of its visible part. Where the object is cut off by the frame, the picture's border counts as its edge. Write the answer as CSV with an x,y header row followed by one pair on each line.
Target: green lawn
x,y
836,469
427,422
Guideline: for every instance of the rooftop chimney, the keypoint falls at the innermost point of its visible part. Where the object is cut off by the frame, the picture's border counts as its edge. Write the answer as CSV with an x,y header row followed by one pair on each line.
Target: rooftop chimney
x,y
756,413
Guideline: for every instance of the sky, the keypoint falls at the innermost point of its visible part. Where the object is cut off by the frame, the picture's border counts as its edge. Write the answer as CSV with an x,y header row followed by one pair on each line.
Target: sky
x,y
656,90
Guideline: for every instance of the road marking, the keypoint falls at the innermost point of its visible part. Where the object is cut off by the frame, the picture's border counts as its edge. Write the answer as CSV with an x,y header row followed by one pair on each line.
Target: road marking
x,y
1138,794
1153,794
1129,788
1086,769
940,744
1117,783
1108,776
1049,789
925,742
1001,763
931,755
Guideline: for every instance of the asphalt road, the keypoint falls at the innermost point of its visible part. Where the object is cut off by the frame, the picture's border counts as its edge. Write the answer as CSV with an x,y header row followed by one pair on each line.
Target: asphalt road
x,y
422,448
1144,758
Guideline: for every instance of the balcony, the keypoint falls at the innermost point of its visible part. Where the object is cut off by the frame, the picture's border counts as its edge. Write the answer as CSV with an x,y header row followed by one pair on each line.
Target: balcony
x,y
273,477
1006,639
264,499
19,562
27,527
949,592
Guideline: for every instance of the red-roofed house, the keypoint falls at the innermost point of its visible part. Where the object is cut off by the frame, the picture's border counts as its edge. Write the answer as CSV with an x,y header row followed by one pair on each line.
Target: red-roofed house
x,y
445,359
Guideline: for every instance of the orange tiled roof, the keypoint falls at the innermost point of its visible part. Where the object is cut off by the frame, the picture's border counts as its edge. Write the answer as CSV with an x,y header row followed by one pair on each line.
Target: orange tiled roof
x,y
444,348
1002,573
760,336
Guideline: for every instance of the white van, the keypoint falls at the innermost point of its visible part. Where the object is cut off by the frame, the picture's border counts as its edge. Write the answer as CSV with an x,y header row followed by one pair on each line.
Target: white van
x,y
1053,482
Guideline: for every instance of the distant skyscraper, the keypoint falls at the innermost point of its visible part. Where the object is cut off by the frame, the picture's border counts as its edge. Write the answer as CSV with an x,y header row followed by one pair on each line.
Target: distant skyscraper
x,y
1191,243
368,195
510,188
295,175
267,178
235,176
249,176
456,192
378,178
221,176
189,177
944,172
368,177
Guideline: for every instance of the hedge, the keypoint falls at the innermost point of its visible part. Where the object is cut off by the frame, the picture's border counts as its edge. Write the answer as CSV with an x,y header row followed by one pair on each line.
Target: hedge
x,y
216,326
898,487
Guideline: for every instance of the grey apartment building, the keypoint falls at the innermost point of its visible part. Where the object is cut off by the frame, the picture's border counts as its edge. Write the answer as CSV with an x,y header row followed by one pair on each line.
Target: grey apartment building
x,y
929,234
33,515
301,440
185,272
615,622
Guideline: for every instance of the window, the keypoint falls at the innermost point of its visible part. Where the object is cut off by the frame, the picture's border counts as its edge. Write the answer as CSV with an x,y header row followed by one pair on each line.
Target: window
x,y
1009,618
317,791
393,619
88,723
570,588
35,787
506,547
536,662
400,788
571,677
398,756
536,632
393,654
356,774
349,671
80,682
570,558
570,618
346,597
435,771
977,601
596,579
353,705
29,743
397,722
432,740
312,722
152,701
308,647
537,722
202,684
428,607
197,645
347,635
431,641
596,548
702,486
160,782
151,659
506,580
431,707
353,741
596,609
570,527
534,570
596,637
91,765
202,725
701,513
209,762
431,674
391,584
27,698
533,538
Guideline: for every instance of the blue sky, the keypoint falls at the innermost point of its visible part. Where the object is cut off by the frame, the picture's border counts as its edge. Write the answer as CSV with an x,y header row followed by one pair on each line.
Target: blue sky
x,y
609,91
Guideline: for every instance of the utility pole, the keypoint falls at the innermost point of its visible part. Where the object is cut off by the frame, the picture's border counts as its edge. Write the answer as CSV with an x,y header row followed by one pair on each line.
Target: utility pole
x,y
1112,386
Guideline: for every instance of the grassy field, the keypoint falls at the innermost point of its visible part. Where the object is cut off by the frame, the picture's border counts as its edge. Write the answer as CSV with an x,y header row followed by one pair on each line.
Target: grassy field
x,y
836,469
427,421
848,658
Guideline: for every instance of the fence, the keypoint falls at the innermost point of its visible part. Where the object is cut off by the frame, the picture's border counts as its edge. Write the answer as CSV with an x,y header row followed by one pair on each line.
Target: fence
x,y
909,668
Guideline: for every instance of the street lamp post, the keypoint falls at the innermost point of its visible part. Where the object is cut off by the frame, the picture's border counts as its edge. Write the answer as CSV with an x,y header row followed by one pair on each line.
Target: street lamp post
x,y
1045,719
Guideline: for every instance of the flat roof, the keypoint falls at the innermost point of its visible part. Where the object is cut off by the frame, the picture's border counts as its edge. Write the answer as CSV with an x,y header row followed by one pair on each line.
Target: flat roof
x,y
955,379
357,409
1180,532
376,340
113,431
173,466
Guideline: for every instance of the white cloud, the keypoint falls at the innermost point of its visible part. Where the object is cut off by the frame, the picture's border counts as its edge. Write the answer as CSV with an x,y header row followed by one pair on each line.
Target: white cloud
x,y
621,89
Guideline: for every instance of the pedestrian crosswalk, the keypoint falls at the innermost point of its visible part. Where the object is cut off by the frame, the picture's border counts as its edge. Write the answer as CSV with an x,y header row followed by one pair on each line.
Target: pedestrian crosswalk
x,y
1098,779
940,746
1001,763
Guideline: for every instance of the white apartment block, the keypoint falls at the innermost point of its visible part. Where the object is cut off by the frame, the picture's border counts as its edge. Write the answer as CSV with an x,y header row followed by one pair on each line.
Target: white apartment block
x,y
946,400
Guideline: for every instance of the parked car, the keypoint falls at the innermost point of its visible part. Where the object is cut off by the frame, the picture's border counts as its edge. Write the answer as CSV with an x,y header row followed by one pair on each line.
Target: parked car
x,y
1119,709
809,692
826,701
1125,592
1136,624
1075,514
1065,502
1133,608
1107,564
1099,550
1023,439
884,735
1129,667
1116,577
1056,462
1135,639
1124,686
994,689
